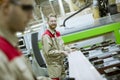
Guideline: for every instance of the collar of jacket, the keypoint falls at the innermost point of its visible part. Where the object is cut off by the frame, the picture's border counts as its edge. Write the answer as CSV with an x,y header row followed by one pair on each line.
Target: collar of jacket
x,y
4,32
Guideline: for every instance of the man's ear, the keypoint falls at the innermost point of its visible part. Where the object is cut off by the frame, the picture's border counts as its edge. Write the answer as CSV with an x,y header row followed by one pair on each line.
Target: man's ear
x,y
5,6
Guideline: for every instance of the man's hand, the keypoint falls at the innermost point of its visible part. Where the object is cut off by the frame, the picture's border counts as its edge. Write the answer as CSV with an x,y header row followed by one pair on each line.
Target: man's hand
x,y
65,53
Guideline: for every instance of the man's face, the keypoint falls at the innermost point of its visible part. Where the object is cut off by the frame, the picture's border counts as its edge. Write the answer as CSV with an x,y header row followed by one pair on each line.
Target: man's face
x,y
52,22
19,15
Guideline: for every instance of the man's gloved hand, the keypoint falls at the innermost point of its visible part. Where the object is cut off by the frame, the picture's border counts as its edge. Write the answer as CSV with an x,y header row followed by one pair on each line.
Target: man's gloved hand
x,y
65,53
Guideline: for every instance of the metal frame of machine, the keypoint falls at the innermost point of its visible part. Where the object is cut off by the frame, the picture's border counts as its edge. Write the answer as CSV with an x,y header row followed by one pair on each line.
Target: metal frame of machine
x,y
113,27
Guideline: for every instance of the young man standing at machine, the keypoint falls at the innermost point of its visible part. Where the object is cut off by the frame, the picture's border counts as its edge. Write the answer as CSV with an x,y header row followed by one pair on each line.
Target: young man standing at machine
x,y
54,50
14,16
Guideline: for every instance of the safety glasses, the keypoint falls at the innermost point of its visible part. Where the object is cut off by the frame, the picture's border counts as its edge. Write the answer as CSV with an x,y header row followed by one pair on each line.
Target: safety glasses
x,y
24,7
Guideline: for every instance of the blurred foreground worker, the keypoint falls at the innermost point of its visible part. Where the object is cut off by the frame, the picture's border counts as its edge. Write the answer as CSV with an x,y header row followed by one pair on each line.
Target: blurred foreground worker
x,y
54,50
14,16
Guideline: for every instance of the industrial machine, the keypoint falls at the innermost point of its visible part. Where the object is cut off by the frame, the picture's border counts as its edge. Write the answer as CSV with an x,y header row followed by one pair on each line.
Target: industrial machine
x,y
103,52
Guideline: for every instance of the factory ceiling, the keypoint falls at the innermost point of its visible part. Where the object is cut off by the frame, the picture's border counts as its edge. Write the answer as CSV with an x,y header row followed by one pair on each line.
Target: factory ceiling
x,y
47,8
39,1
50,6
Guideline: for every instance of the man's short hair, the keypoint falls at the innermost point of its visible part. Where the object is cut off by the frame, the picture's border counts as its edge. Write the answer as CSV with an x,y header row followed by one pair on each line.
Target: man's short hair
x,y
51,15
1,2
